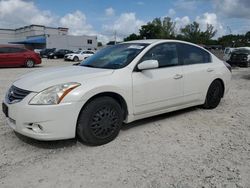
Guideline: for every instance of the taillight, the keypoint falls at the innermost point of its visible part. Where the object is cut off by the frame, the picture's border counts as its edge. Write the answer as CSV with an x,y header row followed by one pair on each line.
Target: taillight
x,y
228,66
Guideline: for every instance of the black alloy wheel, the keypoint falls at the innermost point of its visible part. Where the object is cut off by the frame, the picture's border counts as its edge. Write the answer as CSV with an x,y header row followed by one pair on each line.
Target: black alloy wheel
x,y
214,95
99,121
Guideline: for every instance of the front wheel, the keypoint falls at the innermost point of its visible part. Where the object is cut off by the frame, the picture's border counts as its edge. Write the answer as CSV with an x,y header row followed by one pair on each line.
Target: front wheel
x,y
30,63
214,95
75,59
99,121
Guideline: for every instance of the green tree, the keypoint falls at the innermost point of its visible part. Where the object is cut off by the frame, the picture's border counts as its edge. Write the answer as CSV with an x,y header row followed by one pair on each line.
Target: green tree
x,y
158,29
132,37
168,27
193,33
99,44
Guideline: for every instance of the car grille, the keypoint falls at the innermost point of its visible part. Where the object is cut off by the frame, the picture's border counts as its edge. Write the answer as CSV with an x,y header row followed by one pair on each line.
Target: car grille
x,y
16,94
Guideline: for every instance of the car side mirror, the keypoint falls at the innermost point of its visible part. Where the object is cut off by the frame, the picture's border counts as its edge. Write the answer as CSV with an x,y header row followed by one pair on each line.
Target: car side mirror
x,y
148,64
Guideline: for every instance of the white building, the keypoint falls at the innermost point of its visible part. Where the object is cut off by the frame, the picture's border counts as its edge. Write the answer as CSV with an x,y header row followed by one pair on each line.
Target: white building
x,y
39,36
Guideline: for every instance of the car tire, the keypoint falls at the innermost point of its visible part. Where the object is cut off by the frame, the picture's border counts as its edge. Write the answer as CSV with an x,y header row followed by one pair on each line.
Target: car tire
x,y
75,59
30,63
54,57
214,95
99,121
247,64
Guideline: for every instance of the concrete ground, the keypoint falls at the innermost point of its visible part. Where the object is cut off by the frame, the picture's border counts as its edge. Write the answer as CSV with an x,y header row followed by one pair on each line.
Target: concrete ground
x,y
185,149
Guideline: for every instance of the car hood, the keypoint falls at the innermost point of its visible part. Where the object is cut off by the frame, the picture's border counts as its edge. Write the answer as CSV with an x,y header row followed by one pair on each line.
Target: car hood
x,y
39,80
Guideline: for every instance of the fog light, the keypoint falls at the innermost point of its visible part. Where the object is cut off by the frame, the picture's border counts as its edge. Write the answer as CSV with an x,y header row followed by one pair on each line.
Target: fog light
x,y
35,127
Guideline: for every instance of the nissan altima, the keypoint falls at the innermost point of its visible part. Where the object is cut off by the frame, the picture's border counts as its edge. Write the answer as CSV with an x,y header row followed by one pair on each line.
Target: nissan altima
x,y
118,84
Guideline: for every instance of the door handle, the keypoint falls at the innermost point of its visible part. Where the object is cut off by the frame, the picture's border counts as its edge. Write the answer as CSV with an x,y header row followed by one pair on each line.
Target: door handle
x,y
178,76
210,70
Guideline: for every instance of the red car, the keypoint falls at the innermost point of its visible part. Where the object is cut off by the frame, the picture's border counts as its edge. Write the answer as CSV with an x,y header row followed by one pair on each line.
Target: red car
x,y
14,56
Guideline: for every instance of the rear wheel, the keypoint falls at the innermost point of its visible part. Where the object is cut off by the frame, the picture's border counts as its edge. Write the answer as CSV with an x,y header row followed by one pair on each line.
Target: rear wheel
x,y
29,63
214,95
99,121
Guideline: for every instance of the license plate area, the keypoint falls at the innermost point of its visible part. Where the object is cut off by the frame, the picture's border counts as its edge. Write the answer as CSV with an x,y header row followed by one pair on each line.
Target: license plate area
x,y
5,110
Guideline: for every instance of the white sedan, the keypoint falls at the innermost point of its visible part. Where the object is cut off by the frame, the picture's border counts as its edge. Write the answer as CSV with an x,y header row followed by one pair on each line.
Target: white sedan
x,y
121,83
79,55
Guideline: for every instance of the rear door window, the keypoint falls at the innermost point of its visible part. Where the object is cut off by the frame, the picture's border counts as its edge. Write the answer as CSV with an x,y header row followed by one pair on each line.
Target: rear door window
x,y
189,54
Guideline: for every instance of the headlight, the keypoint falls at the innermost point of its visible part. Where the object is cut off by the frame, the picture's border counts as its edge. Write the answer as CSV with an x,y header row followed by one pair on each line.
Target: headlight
x,y
54,94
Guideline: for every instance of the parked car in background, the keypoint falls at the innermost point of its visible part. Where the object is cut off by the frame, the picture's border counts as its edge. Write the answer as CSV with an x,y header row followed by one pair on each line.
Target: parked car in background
x,y
121,83
37,51
240,57
45,52
13,56
227,53
79,55
59,53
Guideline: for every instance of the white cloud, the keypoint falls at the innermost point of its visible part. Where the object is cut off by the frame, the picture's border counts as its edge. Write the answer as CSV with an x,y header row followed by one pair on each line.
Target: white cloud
x,y
186,5
210,18
140,3
233,8
126,24
181,22
110,11
77,23
171,12
16,13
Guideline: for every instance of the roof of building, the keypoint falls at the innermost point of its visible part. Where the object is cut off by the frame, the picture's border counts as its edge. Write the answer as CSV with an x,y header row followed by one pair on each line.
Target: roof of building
x,y
34,25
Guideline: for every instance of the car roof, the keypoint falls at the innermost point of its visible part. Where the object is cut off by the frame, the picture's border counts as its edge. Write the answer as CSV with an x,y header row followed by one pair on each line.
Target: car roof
x,y
152,41
146,41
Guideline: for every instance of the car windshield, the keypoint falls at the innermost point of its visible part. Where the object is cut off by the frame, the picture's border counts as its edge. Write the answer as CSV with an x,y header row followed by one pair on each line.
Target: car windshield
x,y
242,51
78,52
114,57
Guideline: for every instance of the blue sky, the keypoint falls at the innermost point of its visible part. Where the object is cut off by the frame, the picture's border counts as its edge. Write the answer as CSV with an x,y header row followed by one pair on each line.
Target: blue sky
x,y
103,18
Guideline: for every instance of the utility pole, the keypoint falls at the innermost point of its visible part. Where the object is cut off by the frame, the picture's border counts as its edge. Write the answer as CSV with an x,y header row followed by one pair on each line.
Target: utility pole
x,y
115,36
229,29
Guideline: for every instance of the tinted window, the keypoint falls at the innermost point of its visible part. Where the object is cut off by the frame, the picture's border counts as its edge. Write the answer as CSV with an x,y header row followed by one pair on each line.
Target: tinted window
x,y
189,54
165,54
16,50
4,50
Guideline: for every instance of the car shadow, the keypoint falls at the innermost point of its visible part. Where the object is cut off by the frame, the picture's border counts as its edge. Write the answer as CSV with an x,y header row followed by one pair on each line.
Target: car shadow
x,y
158,118
47,144
246,77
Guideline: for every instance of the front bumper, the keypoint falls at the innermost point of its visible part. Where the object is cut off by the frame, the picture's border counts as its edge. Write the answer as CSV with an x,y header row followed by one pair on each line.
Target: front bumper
x,y
44,122
238,62
68,58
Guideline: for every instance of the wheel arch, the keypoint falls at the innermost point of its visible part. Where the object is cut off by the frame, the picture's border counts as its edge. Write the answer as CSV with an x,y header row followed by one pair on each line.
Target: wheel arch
x,y
117,97
222,83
